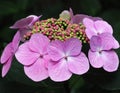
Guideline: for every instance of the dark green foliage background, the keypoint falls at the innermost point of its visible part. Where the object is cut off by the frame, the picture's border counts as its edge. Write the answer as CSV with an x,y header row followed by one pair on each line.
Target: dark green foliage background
x,y
95,81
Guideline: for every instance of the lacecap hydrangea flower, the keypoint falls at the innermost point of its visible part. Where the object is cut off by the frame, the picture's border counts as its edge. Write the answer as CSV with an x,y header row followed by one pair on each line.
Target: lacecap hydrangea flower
x,y
102,43
52,48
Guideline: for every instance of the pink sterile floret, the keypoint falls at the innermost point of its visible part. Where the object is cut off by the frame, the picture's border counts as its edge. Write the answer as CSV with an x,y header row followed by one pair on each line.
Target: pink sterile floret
x,y
66,59
33,55
8,54
101,53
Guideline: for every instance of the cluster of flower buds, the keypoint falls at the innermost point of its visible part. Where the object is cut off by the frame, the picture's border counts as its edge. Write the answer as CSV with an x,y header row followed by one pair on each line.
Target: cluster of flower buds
x,y
53,47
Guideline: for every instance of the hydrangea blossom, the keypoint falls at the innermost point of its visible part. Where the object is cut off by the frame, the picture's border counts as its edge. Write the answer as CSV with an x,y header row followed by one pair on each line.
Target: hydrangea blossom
x,y
101,53
52,47
101,44
8,53
66,58
33,55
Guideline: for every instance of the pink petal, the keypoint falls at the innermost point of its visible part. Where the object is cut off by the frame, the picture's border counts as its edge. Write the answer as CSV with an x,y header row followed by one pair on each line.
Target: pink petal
x,y
72,47
108,41
25,56
116,44
95,18
16,41
35,18
56,50
37,71
103,27
79,64
95,43
58,71
78,18
22,23
7,53
96,59
90,33
112,61
90,29
46,60
39,43
23,31
59,49
103,42
6,66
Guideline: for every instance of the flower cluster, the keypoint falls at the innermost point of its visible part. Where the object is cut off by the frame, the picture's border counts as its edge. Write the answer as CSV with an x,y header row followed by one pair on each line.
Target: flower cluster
x,y
53,47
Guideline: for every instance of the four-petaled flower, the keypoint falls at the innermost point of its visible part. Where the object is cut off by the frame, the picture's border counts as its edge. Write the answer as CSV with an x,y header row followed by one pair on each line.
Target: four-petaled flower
x,y
8,54
101,53
102,43
66,58
33,55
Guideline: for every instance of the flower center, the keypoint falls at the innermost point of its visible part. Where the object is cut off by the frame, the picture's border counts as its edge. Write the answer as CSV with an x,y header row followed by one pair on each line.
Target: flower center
x,y
66,58
41,56
100,52
59,29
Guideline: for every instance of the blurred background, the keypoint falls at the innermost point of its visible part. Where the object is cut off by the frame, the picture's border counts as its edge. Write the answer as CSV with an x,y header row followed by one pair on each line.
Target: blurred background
x,y
95,81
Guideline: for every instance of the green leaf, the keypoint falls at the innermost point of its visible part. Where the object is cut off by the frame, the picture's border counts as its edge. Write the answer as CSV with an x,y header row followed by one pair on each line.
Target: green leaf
x,y
117,36
7,7
103,79
6,34
91,7
22,4
2,85
117,31
53,11
75,83
112,16
111,82
14,87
